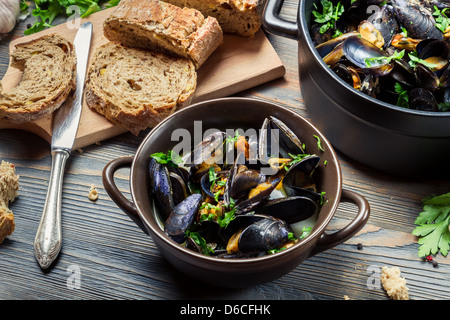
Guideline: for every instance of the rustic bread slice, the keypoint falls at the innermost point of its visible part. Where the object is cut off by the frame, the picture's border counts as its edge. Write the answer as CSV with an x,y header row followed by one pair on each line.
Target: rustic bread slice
x,y
240,17
137,88
9,189
49,68
157,25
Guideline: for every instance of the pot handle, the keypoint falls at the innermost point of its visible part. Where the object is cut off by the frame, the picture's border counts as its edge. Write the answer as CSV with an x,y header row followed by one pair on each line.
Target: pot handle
x,y
126,205
328,241
276,25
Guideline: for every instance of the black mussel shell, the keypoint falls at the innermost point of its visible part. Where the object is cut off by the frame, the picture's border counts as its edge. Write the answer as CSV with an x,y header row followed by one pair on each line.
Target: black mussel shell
x,y
422,99
289,209
182,217
161,188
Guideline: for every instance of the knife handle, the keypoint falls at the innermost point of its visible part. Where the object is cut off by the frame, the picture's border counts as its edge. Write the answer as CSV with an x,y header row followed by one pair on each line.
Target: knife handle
x,y
48,241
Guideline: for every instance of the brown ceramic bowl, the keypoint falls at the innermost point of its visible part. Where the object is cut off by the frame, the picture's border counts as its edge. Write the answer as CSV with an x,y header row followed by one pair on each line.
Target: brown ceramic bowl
x,y
234,113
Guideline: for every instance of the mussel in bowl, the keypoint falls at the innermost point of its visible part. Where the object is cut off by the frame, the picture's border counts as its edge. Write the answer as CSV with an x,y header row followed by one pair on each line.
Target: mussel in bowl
x,y
387,49
244,197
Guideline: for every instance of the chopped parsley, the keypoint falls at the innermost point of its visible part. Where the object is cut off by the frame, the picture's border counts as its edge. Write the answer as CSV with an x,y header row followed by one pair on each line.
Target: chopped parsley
x,y
330,14
319,143
295,159
442,21
384,60
169,158
403,99
200,241
415,60
433,226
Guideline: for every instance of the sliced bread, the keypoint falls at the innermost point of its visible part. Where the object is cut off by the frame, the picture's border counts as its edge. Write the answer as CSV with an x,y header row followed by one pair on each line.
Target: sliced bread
x,y
9,189
49,68
163,27
241,17
137,88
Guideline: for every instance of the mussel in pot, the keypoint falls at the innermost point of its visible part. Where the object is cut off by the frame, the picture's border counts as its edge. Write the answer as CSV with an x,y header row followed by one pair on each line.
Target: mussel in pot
x,y
242,209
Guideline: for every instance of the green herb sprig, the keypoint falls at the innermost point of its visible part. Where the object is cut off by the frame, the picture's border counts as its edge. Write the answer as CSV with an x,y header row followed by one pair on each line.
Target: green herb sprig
x,y
47,10
403,98
170,158
442,21
384,60
433,226
329,16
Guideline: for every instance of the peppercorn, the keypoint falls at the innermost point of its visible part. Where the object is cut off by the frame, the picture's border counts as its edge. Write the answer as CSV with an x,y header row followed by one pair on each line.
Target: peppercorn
x,y
359,246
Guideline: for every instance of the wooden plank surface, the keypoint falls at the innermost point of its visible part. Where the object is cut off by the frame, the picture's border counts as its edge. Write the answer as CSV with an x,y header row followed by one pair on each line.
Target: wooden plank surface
x,y
238,64
117,261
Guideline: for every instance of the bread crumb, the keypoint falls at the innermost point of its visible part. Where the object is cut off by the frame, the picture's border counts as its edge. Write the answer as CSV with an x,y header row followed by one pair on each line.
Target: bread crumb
x,y
394,284
9,190
346,297
93,193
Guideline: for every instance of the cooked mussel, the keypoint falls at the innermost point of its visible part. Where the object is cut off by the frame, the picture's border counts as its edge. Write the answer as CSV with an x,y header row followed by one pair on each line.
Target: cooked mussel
x,y
182,217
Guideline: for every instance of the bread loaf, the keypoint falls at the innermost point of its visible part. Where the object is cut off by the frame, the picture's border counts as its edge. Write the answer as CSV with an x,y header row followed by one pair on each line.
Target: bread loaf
x,y
163,27
137,88
49,68
9,187
241,17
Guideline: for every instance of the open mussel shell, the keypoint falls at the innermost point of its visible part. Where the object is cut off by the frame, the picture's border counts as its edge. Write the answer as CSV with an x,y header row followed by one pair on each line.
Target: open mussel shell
x,y
359,51
426,78
299,174
182,217
254,201
422,99
278,140
206,183
289,209
384,21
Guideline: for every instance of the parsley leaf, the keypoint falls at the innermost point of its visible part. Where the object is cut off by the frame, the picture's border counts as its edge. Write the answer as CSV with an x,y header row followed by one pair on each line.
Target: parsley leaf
x,y
442,21
200,241
330,14
384,60
171,159
415,60
47,10
433,226
403,98
319,143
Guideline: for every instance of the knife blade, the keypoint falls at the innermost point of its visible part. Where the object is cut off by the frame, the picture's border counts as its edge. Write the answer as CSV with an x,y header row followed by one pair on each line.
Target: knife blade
x,y
48,240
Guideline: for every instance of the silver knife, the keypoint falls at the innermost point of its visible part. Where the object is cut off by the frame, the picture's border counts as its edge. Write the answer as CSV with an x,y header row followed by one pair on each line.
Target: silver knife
x,y
48,241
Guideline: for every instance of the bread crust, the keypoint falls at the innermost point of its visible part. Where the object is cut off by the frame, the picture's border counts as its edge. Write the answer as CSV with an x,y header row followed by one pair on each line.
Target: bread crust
x,y
239,17
9,190
164,84
163,27
48,64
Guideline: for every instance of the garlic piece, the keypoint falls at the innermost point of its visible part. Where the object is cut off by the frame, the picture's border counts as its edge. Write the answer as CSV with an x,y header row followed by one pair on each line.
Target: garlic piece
x,y
9,14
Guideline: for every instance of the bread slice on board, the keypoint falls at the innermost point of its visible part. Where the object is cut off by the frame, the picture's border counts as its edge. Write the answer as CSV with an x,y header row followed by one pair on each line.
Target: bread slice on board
x,y
157,25
48,64
9,189
137,88
240,17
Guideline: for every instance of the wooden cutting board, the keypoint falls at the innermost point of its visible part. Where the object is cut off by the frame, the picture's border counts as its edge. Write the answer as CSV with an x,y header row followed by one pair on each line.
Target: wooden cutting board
x,y
238,64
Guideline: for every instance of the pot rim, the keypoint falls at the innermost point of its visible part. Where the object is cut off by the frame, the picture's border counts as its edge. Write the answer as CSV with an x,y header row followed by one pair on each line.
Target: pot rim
x,y
313,237
304,31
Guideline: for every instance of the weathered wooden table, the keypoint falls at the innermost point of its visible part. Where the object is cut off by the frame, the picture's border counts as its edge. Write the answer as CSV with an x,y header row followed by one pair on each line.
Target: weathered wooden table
x,y
116,260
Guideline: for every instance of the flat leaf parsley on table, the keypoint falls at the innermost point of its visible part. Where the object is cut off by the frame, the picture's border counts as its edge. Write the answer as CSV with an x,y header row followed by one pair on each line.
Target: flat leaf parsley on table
x,y
433,226
46,11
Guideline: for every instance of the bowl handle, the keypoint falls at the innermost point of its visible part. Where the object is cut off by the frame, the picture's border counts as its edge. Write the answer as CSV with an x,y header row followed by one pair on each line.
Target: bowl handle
x,y
328,241
126,205
273,23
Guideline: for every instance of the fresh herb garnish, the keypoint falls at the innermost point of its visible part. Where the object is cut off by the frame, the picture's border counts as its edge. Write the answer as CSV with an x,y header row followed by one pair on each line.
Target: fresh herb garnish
x,y
444,106
228,216
384,60
403,99
433,225
169,158
47,10
305,232
415,60
442,21
295,159
200,241
330,14
322,199
319,143
404,31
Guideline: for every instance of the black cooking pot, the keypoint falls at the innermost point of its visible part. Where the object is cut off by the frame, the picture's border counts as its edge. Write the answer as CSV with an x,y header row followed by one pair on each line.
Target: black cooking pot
x,y
396,140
